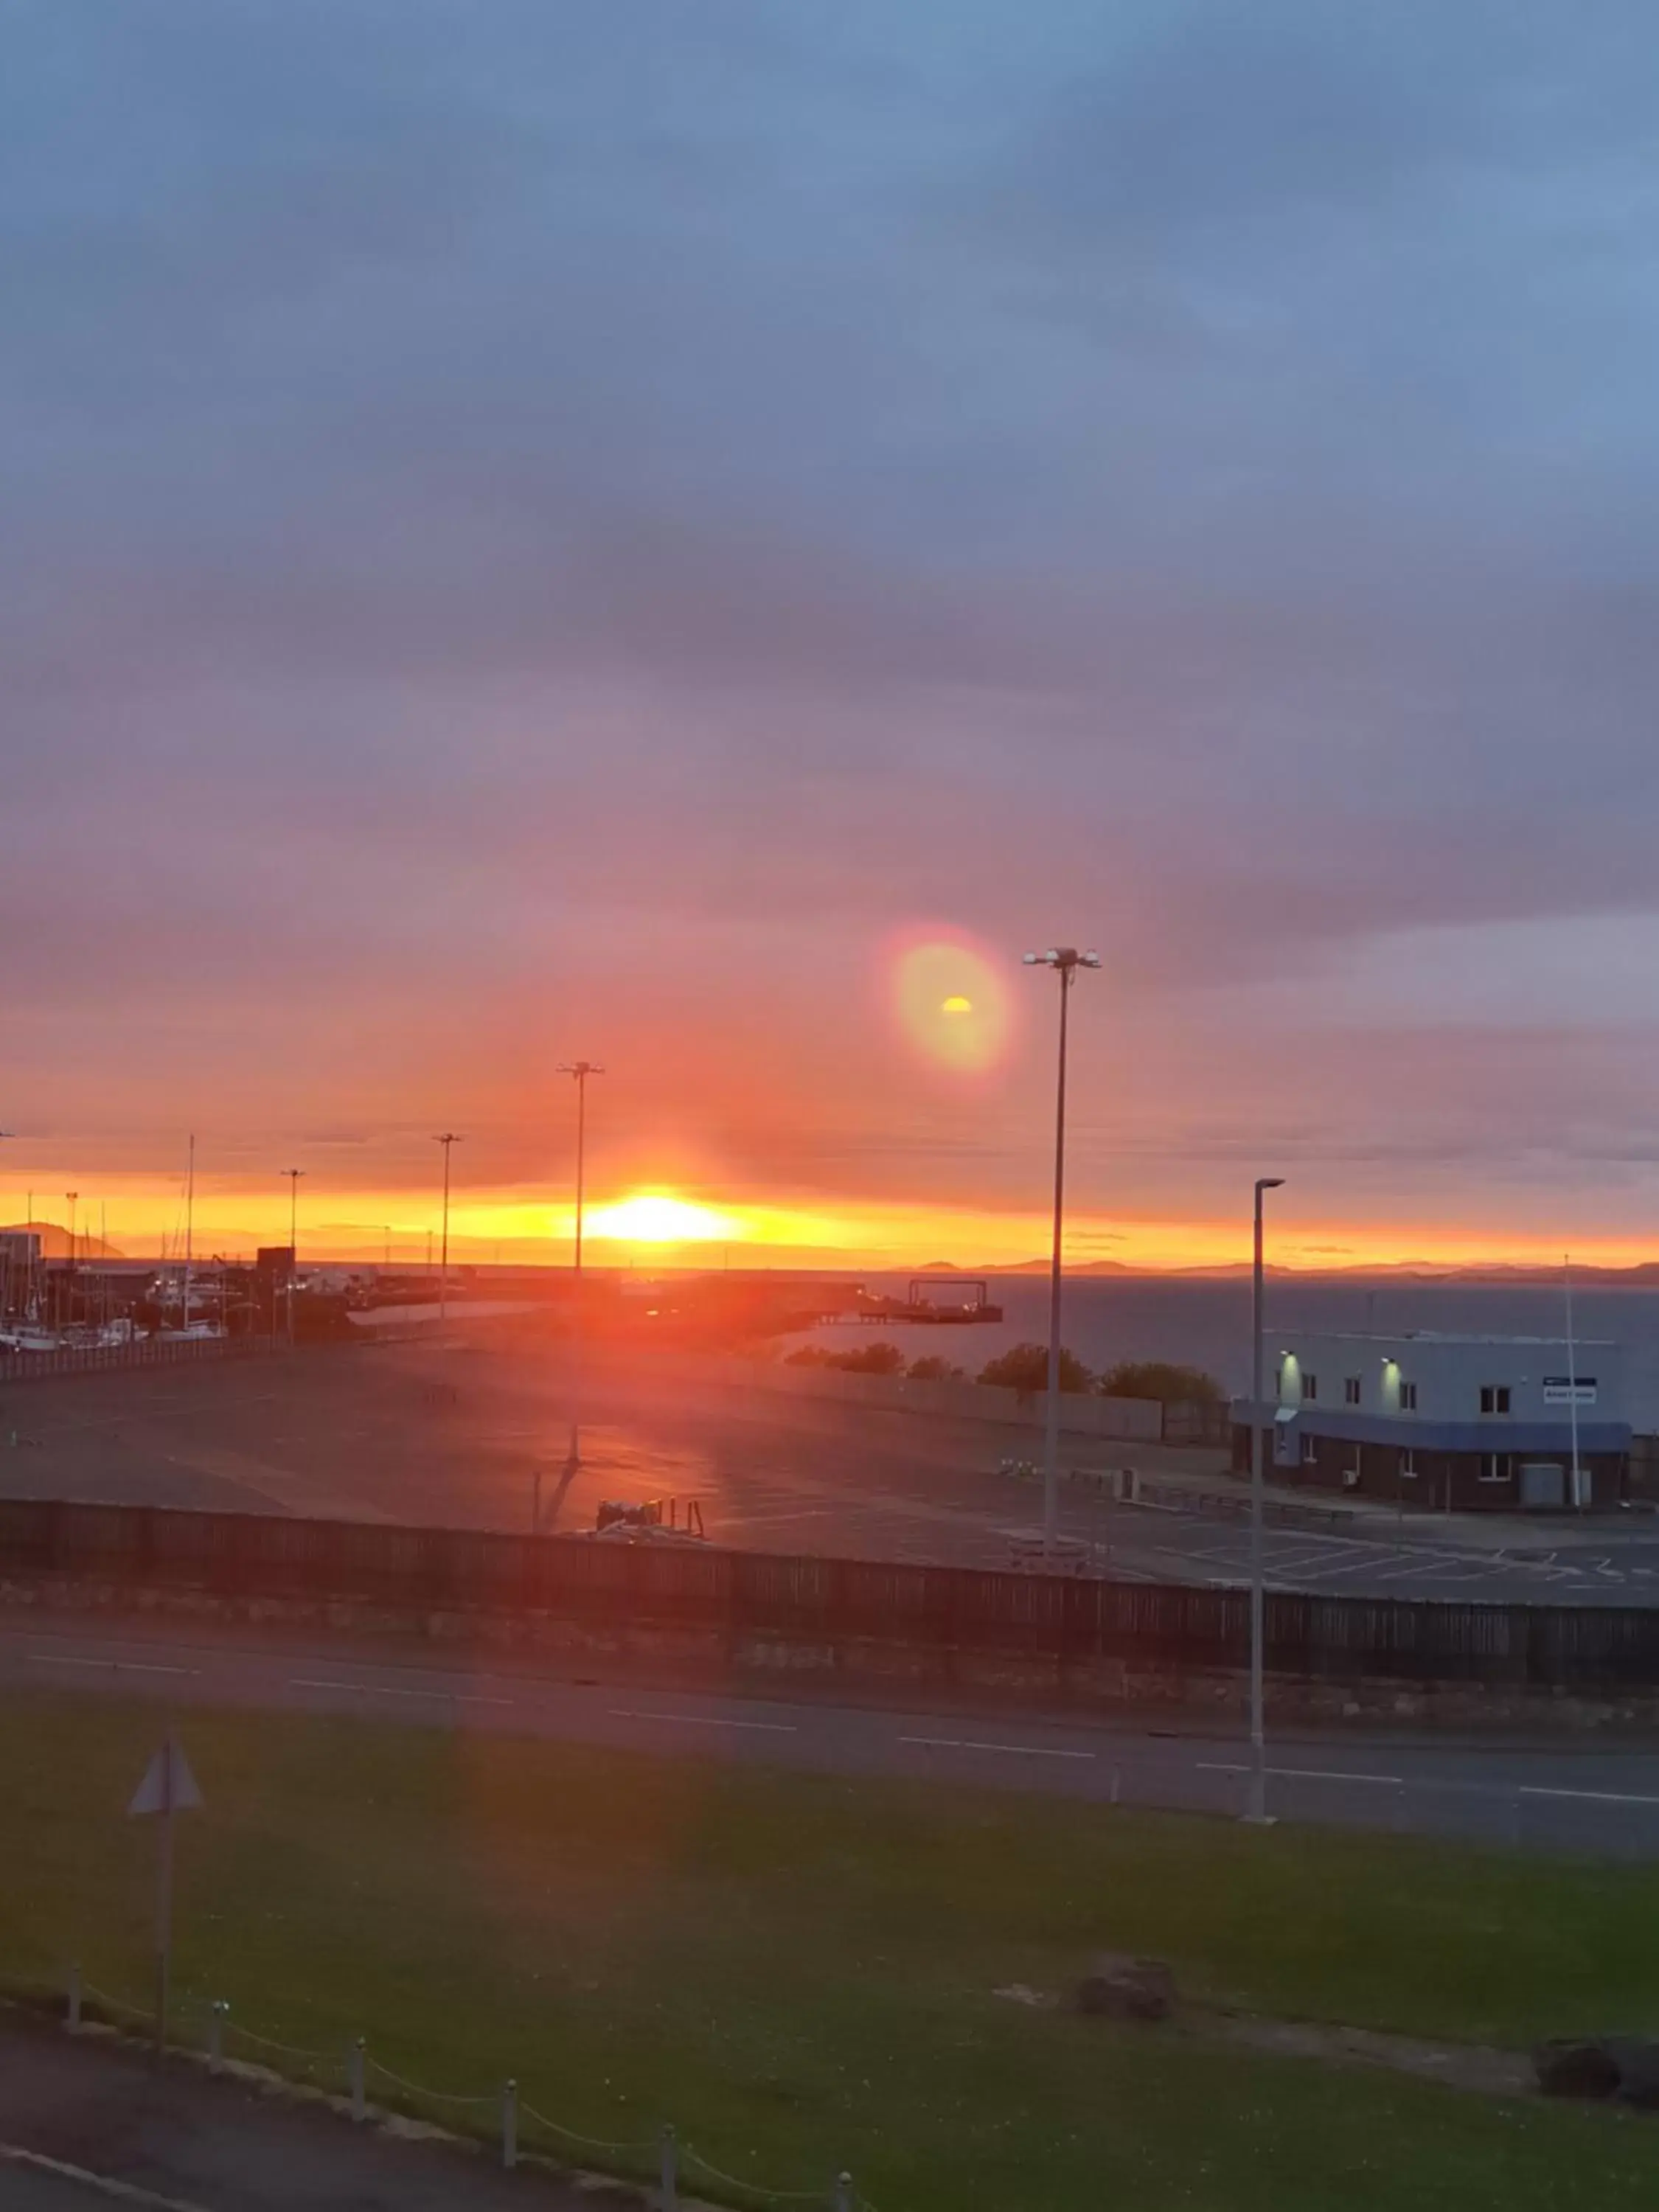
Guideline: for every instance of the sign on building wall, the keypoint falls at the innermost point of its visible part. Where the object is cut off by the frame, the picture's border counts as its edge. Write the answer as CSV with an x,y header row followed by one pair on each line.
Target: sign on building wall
x,y
1563,1390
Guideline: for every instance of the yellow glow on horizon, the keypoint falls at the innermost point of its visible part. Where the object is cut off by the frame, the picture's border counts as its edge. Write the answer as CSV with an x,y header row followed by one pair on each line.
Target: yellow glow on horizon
x,y
354,1225
957,1005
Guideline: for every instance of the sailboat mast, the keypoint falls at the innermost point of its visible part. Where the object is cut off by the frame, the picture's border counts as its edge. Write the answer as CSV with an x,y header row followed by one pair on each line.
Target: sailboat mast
x,y
190,1226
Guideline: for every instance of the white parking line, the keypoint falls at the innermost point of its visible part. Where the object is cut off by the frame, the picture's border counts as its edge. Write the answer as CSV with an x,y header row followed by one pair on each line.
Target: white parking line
x,y
385,1690
112,1665
1373,1563
1015,1750
1292,1560
1421,1568
704,1720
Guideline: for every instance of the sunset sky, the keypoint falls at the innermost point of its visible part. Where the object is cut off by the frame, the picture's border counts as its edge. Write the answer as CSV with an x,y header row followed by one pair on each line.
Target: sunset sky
x,y
542,531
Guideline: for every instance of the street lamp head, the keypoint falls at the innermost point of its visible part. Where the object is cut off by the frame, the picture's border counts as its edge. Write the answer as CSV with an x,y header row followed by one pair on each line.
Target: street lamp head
x,y
1270,1182
1063,957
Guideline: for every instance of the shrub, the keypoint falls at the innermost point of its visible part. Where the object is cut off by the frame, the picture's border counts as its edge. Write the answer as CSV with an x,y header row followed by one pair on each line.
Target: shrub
x,y
1167,1381
870,1359
930,1368
1025,1369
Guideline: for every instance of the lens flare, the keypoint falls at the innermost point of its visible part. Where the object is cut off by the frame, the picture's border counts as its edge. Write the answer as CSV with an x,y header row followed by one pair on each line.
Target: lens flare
x,y
952,1003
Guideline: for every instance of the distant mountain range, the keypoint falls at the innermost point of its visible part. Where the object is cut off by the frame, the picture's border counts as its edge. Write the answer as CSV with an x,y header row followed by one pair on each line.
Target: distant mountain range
x,y
55,1241
1644,1275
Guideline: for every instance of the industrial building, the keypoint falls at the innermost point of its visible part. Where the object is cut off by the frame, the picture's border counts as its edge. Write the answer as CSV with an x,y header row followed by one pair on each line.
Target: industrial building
x,y
1443,1423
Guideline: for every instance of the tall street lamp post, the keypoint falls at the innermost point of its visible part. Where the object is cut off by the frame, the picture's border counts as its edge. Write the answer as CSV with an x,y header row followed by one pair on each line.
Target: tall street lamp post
x,y
447,1139
1257,1811
1065,960
579,1071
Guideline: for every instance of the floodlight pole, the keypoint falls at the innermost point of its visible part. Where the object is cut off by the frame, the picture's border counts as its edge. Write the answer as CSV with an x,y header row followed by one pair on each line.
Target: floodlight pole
x,y
1256,1811
579,1070
1065,960
448,1138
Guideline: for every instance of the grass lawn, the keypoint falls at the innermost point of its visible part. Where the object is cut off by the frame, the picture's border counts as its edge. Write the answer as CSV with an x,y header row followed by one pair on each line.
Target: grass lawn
x,y
799,1972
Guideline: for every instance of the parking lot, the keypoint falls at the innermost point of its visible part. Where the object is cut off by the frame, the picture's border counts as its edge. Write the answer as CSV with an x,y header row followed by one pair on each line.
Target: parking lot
x,y
471,1437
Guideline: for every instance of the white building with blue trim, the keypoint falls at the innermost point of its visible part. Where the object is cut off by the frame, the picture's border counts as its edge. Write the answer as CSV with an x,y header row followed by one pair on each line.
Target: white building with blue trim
x,y
1445,1423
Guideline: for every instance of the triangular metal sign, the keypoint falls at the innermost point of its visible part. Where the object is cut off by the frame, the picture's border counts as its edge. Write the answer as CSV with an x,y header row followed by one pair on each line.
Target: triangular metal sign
x,y
167,1780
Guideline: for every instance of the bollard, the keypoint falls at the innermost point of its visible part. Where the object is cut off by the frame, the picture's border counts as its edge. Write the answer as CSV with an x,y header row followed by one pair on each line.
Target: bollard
x,y
357,2069
73,2000
1117,1786
671,2171
509,2124
845,2200
217,2012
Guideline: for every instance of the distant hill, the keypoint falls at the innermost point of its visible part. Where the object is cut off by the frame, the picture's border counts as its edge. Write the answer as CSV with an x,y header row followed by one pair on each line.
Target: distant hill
x,y
1498,1275
55,1241
1072,1267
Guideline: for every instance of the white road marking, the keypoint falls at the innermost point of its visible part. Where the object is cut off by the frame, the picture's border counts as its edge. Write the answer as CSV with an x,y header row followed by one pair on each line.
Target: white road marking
x,y
704,1720
1588,1796
124,2192
1014,1750
113,1666
385,1690
1304,1773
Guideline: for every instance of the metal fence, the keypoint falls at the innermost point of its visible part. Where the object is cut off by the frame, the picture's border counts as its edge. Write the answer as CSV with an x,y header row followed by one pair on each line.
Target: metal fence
x,y
116,1359
362,2088
1170,1626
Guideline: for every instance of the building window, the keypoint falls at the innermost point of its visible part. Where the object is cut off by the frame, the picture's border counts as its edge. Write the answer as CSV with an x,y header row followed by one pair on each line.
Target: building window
x,y
1351,1389
1408,1397
1494,1466
1408,1465
1309,1451
1494,1397
1310,1388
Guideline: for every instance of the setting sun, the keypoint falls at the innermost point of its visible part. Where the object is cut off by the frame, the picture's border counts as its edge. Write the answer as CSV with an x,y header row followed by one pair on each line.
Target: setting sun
x,y
652,1217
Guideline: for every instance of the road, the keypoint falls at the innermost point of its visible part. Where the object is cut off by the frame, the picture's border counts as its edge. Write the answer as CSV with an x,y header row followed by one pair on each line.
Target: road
x,y
417,1434
121,2129
27,2187
1552,1797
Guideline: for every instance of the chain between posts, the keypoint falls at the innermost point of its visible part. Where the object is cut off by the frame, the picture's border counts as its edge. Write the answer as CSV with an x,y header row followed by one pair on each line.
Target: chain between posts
x,y
511,2107
588,2143
755,2188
